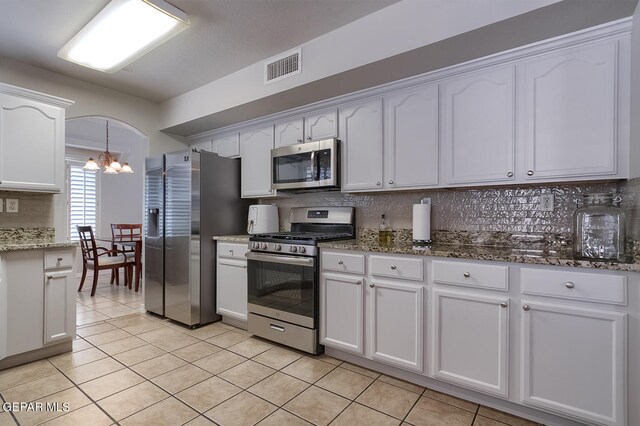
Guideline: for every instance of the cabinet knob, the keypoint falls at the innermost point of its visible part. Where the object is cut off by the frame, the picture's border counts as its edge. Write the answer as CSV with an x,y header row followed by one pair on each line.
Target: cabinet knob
x,y
271,190
358,282
231,251
510,174
530,172
244,266
49,277
393,267
569,284
340,262
504,304
378,183
391,182
466,275
59,259
526,307
371,285
308,138
299,140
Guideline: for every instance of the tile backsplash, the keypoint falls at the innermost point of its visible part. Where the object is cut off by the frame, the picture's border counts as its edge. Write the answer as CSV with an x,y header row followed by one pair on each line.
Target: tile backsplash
x,y
506,209
35,210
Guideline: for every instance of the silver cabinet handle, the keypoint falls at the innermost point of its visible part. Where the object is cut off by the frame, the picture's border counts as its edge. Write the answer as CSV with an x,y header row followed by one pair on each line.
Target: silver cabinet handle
x,y
231,251
466,275
378,183
393,267
526,307
340,262
49,277
59,259
391,182
276,327
358,282
244,266
569,284
530,172
371,285
510,174
504,304
308,138
299,140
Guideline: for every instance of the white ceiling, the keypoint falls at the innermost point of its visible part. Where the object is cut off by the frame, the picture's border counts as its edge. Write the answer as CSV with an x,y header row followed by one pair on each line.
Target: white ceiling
x,y
224,36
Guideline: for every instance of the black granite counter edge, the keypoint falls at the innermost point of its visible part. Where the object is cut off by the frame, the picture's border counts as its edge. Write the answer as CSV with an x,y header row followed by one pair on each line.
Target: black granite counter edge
x,y
35,246
496,254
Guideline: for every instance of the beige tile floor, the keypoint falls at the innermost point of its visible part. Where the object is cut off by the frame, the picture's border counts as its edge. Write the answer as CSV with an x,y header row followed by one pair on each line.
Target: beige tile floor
x,y
131,368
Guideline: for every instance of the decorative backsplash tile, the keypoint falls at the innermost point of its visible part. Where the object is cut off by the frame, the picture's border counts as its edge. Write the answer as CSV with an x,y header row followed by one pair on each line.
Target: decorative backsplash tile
x,y
511,210
36,210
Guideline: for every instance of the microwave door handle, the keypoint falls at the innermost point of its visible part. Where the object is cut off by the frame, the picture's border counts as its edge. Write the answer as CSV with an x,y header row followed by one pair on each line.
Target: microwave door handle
x,y
313,165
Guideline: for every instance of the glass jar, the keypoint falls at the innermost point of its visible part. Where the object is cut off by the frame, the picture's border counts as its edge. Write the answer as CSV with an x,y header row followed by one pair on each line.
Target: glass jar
x,y
599,228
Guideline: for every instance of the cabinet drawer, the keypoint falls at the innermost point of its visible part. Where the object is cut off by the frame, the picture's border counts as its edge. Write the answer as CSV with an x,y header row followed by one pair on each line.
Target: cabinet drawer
x,y
397,267
58,259
232,251
342,262
575,285
471,275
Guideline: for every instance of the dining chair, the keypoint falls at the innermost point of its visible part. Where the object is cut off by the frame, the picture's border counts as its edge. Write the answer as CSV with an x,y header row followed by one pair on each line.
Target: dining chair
x,y
126,232
100,258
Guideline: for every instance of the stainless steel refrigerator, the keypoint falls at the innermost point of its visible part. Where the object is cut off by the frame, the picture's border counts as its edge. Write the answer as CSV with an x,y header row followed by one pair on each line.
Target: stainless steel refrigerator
x,y
189,198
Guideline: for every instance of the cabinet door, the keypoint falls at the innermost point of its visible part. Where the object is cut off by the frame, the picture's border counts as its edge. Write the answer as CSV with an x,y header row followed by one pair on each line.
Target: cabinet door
x,y
289,132
479,118
321,125
470,345
341,315
361,136
255,149
411,138
573,361
204,145
396,324
59,306
570,113
31,145
227,145
231,289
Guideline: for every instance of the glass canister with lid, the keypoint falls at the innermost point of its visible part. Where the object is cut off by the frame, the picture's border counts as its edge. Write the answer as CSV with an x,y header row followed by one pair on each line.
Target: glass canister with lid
x,y
599,228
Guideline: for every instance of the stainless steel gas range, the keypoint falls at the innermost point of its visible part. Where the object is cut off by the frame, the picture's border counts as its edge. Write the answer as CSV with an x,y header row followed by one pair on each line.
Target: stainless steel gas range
x,y
283,275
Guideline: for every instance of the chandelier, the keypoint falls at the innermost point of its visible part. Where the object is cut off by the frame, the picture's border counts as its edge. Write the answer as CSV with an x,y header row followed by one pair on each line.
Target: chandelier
x,y
108,161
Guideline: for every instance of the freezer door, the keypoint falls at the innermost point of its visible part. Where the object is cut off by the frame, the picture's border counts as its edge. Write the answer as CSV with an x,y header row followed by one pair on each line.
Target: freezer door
x,y
153,235
182,237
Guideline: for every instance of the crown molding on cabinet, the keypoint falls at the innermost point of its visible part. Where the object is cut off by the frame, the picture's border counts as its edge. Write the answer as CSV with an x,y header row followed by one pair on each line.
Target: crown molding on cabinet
x,y
35,96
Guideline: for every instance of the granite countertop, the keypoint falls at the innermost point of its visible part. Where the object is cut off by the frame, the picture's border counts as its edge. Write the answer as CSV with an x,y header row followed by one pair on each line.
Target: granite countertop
x,y
36,245
539,256
232,238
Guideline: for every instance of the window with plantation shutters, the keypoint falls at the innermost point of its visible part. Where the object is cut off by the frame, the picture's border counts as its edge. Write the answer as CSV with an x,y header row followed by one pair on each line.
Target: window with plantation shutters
x,y
82,198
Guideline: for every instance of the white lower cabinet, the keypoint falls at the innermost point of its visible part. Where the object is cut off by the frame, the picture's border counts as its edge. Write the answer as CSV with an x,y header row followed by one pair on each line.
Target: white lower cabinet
x,y
573,361
59,305
342,312
396,323
470,346
231,281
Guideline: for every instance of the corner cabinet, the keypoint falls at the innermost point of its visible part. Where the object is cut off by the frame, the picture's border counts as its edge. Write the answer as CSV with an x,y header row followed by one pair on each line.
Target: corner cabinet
x,y
31,140
255,150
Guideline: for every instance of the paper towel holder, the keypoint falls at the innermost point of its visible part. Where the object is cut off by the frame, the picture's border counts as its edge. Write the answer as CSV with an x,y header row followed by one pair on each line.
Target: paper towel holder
x,y
425,200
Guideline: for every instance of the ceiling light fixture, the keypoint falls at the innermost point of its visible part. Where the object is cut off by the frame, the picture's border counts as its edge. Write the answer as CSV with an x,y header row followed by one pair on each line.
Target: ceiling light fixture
x,y
108,161
122,32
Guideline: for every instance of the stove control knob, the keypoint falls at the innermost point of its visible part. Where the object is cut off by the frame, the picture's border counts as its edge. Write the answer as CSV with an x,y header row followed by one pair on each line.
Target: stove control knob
x,y
277,247
293,249
301,249
264,246
255,245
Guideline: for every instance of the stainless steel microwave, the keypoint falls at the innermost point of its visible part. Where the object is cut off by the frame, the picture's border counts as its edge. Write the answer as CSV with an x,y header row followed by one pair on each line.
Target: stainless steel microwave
x,y
307,165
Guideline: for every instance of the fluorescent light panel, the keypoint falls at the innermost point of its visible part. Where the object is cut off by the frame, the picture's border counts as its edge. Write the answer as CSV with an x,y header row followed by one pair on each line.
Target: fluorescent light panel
x,y
122,32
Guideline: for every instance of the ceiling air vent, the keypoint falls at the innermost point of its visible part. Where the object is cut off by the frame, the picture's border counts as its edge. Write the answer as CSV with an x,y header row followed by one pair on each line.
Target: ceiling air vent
x,y
283,66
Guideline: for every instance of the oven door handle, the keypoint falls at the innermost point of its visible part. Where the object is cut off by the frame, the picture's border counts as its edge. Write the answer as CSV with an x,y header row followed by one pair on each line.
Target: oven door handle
x,y
287,260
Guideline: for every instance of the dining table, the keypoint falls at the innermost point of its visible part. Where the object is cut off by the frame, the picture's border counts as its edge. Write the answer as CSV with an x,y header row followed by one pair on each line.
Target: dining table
x,y
136,244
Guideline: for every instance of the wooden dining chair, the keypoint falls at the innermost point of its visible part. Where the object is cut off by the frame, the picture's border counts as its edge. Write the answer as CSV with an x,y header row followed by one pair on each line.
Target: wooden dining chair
x,y
100,258
126,232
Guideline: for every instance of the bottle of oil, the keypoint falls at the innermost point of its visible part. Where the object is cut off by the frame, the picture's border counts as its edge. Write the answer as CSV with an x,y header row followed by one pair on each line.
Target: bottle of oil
x,y
385,236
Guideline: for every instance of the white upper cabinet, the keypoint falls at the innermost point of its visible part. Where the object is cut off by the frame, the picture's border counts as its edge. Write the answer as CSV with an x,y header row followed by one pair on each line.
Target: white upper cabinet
x,y
202,145
361,150
479,131
570,107
321,124
227,145
411,138
289,132
255,149
31,141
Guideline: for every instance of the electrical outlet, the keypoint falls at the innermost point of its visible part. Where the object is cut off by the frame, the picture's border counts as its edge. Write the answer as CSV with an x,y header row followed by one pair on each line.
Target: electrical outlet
x,y
1,205
12,205
546,203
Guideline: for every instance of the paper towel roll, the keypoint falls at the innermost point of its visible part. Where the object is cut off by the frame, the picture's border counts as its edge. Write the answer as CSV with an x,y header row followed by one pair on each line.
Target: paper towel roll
x,y
422,223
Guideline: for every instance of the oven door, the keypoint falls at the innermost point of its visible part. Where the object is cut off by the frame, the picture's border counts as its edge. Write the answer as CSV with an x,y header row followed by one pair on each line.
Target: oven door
x,y
283,287
309,165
